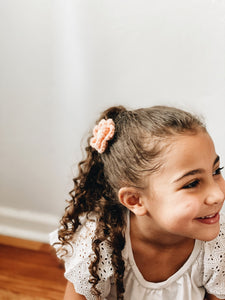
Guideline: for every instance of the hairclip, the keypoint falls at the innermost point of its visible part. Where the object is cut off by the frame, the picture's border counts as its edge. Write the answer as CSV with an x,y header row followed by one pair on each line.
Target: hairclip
x,y
103,132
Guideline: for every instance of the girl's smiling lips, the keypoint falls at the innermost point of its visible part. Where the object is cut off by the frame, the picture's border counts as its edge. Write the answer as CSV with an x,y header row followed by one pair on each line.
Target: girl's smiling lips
x,y
209,219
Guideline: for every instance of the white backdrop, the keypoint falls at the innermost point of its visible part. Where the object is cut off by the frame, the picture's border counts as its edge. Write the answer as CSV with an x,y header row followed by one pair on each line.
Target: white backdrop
x,y
62,62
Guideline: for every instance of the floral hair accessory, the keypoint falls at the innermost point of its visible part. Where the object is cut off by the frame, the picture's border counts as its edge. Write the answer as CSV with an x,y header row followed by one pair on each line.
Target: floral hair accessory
x,y
103,132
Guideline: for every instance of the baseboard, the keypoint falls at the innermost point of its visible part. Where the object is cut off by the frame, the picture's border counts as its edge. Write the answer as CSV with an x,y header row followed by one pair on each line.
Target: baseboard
x,y
26,224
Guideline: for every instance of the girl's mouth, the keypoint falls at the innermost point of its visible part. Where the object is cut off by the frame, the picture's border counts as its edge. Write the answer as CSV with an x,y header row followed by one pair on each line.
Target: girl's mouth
x,y
210,219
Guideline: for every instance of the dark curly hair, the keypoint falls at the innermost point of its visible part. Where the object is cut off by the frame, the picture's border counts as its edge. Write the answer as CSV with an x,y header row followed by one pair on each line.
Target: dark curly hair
x,y
140,138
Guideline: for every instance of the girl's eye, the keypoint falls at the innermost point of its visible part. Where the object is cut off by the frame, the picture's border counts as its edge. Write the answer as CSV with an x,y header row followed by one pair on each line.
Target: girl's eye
x,y
193,184
218,171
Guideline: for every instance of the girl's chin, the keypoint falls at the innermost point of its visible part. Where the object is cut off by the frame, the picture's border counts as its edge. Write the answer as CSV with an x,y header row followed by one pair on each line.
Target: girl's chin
x,y
210,235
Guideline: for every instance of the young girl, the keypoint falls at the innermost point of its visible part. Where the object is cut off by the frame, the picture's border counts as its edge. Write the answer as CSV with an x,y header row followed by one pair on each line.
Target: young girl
x,y
144,220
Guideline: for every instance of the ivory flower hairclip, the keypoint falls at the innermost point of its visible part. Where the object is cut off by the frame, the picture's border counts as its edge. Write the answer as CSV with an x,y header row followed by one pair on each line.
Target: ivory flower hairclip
x,y
103,132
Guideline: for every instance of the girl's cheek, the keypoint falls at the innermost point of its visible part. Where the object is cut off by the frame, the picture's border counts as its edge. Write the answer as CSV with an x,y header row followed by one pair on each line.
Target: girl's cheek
x,y
194,207
190,207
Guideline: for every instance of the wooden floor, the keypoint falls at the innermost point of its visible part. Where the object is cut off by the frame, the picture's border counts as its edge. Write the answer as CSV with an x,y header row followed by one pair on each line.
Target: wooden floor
x,y
29,271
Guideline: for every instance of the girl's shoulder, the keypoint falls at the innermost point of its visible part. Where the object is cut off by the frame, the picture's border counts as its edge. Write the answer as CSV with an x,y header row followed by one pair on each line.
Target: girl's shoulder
x,y
214,263
80,241
79,255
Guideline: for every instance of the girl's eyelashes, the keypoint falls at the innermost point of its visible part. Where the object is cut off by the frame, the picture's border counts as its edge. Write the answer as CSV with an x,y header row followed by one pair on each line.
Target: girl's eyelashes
x,y
196,182
192,184
218,171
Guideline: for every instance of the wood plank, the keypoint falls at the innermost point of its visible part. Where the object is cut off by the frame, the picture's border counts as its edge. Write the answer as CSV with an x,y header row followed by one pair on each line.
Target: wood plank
x,y
29,273
8,295
25,244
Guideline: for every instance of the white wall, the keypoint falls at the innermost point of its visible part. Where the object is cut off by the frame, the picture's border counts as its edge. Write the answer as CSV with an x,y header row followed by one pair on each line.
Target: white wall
x,y
62,62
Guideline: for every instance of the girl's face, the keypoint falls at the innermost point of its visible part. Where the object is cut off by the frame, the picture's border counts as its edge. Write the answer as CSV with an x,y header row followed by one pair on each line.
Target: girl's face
x,y
185,197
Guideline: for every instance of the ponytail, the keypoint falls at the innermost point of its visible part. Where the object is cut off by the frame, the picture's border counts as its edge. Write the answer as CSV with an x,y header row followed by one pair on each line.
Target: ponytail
x,y
93,193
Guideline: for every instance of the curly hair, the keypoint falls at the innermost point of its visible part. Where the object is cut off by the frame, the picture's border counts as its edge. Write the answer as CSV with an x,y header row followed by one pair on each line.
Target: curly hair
x,y
140,138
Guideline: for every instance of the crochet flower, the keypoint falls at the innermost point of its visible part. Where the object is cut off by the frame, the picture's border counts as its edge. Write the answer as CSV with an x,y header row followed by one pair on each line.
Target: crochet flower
x,y
103,132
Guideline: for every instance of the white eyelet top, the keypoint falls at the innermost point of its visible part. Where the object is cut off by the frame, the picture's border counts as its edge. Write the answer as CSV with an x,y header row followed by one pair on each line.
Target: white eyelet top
x,y
204,269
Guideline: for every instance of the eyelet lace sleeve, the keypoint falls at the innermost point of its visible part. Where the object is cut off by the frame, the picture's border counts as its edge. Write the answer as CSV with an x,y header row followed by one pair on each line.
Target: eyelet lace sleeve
x,y
79,257
214,264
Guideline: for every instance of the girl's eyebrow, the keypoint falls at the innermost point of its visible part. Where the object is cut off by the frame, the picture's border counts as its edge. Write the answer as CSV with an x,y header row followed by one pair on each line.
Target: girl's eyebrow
x,y
197,171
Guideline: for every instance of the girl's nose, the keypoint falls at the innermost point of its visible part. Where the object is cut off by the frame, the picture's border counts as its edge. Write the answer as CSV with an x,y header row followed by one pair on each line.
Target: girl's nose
x,y
215,194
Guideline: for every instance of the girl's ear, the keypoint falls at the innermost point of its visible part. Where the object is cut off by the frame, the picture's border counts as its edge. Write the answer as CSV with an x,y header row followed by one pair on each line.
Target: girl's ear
x,y
131,198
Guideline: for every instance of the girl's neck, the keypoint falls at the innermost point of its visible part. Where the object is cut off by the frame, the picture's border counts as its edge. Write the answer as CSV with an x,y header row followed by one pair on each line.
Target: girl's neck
x,y
147,244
